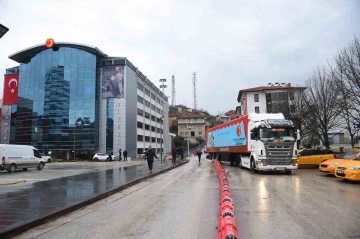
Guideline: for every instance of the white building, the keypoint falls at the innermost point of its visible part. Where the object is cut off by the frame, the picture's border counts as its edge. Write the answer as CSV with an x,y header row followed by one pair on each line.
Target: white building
x,y
222,118
268,99
192,127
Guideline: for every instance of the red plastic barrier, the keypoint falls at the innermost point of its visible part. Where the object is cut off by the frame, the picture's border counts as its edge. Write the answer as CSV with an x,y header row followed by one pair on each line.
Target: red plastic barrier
x,y
226,216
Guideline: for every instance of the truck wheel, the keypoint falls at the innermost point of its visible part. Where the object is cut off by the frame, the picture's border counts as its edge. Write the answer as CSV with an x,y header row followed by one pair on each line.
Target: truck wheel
x,y
288,172
240,163
253,169
12,168
237,160
40,166
24,169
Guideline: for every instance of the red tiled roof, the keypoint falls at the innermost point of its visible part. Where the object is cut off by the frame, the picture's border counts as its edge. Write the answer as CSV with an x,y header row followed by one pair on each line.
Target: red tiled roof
x,y
263,88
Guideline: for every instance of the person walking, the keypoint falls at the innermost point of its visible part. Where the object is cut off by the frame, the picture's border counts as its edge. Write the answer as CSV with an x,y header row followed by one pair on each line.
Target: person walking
x,y
149,156
125,155
120,155
182,153
178,152
199,152
173,154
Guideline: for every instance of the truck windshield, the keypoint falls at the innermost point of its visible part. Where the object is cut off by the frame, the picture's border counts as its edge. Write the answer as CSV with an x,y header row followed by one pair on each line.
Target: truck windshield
x,y
281,134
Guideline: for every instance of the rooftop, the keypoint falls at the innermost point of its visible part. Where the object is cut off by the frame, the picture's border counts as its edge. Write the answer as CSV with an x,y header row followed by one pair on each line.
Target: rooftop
x,y
269,88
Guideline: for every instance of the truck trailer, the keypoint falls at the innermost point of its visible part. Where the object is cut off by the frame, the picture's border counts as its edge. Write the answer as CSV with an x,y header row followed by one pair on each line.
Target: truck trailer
x,y
259,142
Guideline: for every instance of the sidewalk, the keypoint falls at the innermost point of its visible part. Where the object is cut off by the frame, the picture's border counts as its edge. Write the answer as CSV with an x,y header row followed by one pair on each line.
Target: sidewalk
x,y
26,208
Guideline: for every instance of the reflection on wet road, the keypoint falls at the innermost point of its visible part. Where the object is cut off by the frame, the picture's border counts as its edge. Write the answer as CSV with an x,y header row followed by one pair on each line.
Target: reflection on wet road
x,y
306,204
46,197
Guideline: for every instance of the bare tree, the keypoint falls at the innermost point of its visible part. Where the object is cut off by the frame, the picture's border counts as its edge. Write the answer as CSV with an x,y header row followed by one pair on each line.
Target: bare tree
x,y
321,100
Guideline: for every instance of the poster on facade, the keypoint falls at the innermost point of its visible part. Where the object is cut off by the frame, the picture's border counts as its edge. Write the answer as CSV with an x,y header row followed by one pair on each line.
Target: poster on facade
x,y
112,82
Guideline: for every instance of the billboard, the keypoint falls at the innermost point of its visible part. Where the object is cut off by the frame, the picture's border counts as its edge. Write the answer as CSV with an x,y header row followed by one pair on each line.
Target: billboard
x,y
112,82
11,88
230,136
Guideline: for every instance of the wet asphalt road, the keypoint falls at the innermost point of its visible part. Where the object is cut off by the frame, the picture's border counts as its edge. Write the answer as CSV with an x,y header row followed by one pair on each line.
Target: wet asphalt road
x,y
183,203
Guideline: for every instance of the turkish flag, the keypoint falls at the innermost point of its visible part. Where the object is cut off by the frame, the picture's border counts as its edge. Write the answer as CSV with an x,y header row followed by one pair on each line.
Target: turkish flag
x,y
11,86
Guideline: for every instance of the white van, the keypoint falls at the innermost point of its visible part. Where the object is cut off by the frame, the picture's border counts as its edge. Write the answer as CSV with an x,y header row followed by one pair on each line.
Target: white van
x,y
20,157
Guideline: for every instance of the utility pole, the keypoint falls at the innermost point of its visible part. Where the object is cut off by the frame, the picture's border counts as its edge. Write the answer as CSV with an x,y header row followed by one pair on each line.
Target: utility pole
x,y
162,86
173,92
194,90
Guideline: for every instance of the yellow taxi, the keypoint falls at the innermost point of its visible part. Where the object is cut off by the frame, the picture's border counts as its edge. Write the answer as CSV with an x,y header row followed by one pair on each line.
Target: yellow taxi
x,y
349,170
314,157
330,165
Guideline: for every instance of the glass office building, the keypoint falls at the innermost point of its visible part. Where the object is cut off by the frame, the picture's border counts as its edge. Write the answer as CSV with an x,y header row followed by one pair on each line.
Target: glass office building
x,y
74,100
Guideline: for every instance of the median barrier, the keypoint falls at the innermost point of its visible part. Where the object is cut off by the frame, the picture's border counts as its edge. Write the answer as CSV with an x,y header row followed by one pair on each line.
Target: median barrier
x,y
226,216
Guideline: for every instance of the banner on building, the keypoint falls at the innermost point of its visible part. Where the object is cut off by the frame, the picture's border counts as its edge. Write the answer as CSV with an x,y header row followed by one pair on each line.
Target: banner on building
x,y
11,89
5,124
112,82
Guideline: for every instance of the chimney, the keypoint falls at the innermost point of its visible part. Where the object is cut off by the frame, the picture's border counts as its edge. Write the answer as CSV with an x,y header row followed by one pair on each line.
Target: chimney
x,y
289,84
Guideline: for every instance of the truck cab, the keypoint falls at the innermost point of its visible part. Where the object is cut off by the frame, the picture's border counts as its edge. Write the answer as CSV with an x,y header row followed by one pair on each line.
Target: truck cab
x,y
273,146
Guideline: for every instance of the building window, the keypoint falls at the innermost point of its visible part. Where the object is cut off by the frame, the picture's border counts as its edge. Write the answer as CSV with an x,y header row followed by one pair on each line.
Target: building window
x,y
185,133
152,107
160,121
140,150
159,140
140,87
147,103
157,100
147,115
152,96
140,112
157,110
182,133
256,97
153,118
200,132
147,92
140,138
291,95
292,108
158,130
153,139
257,109
147,139
140,99
140,125
192,133
153,129
147,127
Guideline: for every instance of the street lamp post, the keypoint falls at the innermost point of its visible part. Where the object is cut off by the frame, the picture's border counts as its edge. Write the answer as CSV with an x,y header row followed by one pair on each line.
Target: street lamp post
x,y
3,30
188,140
162,139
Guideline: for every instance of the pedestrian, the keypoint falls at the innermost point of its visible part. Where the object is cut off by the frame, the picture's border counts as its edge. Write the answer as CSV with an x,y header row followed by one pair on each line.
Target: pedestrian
x,y
182,153
120,155
199,152
125,155
178,151
149,156
173,154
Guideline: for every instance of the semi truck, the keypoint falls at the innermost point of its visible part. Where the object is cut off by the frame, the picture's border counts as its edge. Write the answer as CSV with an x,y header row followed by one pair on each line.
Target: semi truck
x,y
259,142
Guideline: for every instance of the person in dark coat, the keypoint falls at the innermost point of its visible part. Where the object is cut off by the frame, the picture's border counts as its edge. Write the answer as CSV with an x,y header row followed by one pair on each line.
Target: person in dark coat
x,y
120,155
125,155
173,154
199,152
149,156
182,153
178,151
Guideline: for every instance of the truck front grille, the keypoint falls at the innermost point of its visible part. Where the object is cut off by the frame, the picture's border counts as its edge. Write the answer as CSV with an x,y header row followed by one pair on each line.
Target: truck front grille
x,y
279,153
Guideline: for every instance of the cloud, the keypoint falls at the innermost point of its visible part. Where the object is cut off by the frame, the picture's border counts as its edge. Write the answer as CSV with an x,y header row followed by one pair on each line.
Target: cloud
x,y
231,44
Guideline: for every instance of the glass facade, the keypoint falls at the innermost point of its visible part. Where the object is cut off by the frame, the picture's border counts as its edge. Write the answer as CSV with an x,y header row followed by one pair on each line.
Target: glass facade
x,y
57,105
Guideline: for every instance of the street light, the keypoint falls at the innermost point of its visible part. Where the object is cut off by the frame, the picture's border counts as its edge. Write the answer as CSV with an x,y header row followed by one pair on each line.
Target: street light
x,y
188,144
3,30
162,139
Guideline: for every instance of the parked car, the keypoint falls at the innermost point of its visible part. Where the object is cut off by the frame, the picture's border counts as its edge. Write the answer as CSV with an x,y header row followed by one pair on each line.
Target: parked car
x,y
15,157
330,165
46,158
103,157
314,156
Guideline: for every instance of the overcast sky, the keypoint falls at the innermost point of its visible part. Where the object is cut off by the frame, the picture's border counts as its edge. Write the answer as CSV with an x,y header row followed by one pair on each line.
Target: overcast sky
x,y
230,44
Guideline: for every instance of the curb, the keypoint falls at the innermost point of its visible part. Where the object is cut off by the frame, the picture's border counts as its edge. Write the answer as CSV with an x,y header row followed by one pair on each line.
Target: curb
x,y
15,230
4,184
